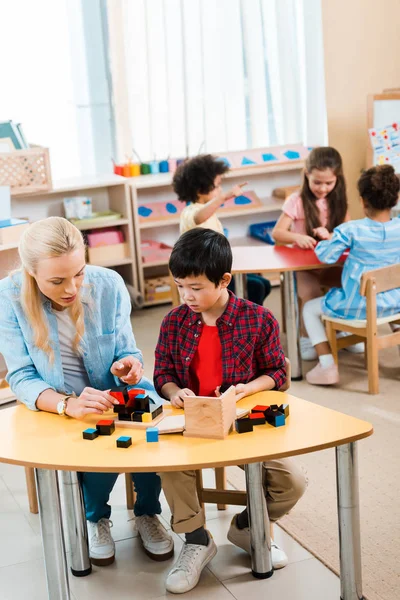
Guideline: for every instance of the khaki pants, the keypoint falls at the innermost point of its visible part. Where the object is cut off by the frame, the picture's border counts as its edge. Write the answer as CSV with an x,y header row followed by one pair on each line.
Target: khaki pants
x,y
284,484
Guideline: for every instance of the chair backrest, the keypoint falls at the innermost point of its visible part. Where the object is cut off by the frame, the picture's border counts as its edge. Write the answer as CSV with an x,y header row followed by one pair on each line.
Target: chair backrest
x,y
384,279
286,385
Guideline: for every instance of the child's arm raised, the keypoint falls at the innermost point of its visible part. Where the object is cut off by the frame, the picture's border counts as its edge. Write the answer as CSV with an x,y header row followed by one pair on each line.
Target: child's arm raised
x,y
213,205
282,234
331,250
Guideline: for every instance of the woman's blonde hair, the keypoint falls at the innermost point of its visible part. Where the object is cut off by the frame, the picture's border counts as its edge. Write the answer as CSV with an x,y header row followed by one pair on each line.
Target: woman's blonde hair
x,y
49,238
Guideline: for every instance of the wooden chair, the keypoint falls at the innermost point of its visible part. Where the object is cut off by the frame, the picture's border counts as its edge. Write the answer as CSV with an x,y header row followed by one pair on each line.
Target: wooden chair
x,y
372,283
220,495
32,492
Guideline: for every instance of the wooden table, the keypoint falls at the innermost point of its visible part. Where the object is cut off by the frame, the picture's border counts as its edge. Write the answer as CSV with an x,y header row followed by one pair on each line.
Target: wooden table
x,y
285,260
51,443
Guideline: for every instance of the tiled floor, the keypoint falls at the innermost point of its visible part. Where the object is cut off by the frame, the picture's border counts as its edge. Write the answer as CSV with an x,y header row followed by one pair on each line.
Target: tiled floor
x,y
134,576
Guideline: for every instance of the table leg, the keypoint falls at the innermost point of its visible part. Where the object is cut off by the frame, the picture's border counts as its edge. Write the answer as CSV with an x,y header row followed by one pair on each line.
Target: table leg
x,y
52,535
349,522
292,324
240,285
260,538
75,519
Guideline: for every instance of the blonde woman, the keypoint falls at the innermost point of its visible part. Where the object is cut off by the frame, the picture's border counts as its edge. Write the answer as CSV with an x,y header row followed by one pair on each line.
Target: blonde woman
x,y
66,336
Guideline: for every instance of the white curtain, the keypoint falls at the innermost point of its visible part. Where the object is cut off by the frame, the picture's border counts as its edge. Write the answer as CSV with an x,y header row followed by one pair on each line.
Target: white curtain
x,y
215,75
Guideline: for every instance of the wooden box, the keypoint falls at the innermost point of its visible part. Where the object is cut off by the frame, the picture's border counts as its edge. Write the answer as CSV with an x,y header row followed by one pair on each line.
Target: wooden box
x,y
26,171
108,253
210,417
157,289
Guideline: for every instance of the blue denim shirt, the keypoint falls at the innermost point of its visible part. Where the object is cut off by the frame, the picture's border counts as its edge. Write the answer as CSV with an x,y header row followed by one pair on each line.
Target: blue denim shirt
x,y
108,337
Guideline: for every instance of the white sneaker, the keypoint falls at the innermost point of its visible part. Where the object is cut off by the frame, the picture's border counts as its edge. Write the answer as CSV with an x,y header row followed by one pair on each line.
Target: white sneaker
x,y
157,542
101,544
355,348
307,350
185,574
241,538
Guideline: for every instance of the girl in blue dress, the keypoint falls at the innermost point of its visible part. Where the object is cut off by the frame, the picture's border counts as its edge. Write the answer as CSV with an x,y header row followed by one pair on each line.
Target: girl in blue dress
x,y
373,242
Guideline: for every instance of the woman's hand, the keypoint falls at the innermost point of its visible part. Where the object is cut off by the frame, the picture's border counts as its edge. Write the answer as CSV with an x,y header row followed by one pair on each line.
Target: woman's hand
x,y
322,233
178,398
91,401
306,242
128,369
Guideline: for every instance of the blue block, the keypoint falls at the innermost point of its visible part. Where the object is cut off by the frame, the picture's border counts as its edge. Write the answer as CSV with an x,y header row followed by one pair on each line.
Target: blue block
x,y
152,434
279,420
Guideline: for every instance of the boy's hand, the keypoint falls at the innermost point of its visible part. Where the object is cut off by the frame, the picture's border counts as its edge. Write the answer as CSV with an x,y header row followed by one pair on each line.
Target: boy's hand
x,y
236,190
129,369
241,390
178,399
322,233
306,242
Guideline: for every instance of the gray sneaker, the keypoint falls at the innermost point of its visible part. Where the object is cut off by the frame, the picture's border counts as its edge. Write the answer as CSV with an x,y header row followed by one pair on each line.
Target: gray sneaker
x,y
101,544
185,574
157,542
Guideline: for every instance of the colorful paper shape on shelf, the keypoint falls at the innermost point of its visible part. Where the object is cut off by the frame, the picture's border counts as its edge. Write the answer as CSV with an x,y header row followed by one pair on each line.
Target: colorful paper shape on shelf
x,y
225,160
292,155
247,199
144,211
242,200
171,208
248,161
267,157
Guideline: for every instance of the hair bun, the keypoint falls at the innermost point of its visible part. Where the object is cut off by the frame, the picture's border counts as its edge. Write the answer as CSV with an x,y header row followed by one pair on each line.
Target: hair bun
x,y
382,178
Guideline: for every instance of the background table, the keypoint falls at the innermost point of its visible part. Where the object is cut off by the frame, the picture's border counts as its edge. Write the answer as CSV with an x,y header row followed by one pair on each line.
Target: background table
x,y
50,443
285,260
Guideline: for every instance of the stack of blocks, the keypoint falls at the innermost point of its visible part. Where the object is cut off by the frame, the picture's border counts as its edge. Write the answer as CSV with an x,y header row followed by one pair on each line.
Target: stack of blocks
x,y
274,415
134,405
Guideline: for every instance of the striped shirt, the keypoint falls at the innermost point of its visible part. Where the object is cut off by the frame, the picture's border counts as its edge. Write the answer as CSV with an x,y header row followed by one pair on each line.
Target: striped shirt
x,y
372,245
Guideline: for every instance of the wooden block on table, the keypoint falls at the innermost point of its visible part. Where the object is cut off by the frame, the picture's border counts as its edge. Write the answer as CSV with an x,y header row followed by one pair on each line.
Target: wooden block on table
x,y
210,417
152,434
105,427
138,425
243,425
257,418
90,434
124,441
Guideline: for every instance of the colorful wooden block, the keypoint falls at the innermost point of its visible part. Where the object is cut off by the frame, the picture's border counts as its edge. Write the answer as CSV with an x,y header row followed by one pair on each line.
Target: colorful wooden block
x,y
152,434
259,408
124,441
125,417
137,416
90,434
105,427
275,418
243,425
284,408
257,418
147,417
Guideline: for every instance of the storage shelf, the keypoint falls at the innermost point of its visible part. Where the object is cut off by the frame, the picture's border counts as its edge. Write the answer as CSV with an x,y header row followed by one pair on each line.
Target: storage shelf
x,y
165,179
160,263
78,184
268,205
102,225
113,262
157,302
4,247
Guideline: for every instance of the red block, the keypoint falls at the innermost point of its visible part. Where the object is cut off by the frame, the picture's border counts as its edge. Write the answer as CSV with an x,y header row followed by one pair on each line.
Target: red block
x,y
118,396
256,416
259,409
133,392
105,422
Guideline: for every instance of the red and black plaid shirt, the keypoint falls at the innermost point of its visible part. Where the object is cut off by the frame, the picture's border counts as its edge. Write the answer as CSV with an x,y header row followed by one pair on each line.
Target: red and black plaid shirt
x,y
249,337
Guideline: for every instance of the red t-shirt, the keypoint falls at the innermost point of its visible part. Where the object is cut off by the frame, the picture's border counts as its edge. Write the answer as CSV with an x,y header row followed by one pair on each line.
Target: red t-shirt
x,y
206,366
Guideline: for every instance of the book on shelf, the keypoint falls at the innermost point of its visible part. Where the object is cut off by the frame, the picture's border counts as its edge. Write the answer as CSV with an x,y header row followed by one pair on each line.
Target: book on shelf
x,y
8,129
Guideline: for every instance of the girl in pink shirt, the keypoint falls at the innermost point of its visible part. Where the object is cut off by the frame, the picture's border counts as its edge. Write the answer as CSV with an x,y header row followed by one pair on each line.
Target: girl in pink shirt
x,y
309,216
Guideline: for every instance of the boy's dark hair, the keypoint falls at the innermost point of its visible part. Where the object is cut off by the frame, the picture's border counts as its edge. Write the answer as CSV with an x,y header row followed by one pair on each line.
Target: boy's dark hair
x,y
379,187
201,252
196,176
323,158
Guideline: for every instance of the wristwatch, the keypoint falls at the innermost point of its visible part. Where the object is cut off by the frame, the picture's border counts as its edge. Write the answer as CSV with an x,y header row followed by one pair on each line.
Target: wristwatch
x,y
62,405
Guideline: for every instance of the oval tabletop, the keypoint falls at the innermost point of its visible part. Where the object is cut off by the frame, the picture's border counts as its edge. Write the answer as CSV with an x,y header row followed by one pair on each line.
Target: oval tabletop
x,y
46,440
255,259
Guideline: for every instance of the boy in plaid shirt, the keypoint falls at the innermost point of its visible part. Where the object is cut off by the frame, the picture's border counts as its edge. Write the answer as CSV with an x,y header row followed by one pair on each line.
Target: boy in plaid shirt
x,y
210,342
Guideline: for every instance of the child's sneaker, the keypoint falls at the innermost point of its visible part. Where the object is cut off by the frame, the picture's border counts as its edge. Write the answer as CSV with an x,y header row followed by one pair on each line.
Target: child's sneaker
x,y
355,348
320,376
241,539
185,574
101,544
307,350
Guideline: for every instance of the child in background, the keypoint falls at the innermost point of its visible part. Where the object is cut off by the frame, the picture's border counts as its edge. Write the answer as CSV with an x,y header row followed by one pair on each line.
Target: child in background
x,y
374,242
198,183
311,215
215,340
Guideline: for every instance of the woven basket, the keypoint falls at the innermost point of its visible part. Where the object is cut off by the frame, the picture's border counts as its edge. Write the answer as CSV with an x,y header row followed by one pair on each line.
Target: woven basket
x,y
26,171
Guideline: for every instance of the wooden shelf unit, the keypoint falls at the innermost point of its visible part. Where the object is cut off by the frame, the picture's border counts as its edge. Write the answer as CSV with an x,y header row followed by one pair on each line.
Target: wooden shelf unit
x,y
147,188
108,192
